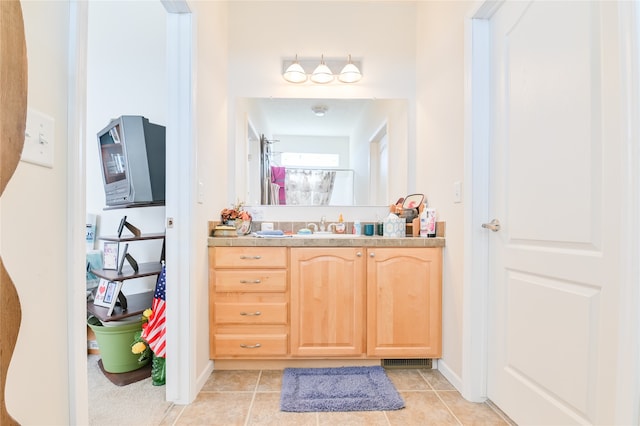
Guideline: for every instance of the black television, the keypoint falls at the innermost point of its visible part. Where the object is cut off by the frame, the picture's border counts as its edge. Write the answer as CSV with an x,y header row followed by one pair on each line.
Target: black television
x,y
133,157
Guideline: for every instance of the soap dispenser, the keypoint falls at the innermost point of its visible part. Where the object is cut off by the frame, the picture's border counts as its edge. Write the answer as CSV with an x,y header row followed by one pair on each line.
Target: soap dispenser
x,y
340,227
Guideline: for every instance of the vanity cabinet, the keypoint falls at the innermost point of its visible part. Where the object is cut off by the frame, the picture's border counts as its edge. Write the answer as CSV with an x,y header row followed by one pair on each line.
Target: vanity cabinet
x,y
404,302
327,301
349,302
248,304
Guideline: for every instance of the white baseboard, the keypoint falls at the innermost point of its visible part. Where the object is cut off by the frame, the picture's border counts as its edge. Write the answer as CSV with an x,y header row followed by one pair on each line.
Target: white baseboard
x,y
204,376
452,377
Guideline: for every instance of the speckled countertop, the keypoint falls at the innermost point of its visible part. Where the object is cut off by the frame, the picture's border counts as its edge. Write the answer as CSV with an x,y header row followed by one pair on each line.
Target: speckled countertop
x,y
341,241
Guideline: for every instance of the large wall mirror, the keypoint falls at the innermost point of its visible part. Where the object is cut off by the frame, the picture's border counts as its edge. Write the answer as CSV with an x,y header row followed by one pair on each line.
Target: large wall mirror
x,y
312,152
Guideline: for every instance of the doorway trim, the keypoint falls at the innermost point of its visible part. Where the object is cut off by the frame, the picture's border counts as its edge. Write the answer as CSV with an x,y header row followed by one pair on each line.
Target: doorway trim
x,y
76,217
476,202
375,164
180,176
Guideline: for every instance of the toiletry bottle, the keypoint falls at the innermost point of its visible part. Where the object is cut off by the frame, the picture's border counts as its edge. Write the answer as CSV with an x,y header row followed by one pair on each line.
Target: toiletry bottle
x,y
357,228
424,221
431,222
340,227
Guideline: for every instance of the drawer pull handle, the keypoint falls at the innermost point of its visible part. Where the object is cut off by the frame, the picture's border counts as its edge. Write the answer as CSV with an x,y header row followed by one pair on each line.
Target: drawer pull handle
x,y
251,257
251,314
250,281
256,346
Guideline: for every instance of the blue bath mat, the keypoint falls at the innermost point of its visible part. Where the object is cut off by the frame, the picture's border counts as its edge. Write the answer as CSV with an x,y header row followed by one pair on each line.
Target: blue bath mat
x,y
338,389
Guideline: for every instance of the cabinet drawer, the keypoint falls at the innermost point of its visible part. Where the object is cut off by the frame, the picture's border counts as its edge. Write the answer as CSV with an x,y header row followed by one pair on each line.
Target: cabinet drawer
x,y
251,257
251,281
250,345
250,313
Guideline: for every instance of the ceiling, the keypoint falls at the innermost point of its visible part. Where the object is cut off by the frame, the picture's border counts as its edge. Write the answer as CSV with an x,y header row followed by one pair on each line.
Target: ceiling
x,y
296,117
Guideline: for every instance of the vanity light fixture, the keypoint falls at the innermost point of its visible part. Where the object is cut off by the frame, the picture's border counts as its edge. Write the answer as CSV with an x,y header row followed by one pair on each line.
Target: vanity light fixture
x,y
322,74
319,110
350,73
294,71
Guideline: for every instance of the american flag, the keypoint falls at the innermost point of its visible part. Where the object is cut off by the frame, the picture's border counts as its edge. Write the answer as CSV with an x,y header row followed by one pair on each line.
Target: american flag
x,y
154,332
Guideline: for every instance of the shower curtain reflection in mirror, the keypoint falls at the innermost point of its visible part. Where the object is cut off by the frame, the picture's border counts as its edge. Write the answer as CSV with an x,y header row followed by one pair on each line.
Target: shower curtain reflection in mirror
x,y
309,187
301,186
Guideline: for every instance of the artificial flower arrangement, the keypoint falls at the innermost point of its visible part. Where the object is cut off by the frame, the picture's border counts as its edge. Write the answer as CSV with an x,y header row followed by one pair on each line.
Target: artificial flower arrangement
x,y
234,213
141,347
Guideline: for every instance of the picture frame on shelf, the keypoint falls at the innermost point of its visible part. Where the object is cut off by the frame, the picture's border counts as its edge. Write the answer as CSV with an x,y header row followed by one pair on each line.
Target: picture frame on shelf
x,y
110,251
107,294
122,259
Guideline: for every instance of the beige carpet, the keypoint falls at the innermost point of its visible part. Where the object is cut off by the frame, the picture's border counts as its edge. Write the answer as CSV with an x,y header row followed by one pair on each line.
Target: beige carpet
x,y
138,404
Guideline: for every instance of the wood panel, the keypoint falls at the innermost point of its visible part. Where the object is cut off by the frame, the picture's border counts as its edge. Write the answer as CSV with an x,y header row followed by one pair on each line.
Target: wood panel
x,y
13,115
248,302
251,280
327,301
404,302
250,257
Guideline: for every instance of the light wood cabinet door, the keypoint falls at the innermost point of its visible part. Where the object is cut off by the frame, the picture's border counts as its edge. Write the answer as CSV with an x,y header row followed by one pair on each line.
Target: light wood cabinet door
x,y
404,302
327,301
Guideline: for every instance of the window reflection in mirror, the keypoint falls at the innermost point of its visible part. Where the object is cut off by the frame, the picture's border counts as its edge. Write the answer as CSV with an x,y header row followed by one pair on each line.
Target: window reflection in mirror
x,y
343,157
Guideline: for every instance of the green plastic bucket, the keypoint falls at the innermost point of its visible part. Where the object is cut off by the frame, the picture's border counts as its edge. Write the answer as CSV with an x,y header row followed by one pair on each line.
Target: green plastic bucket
x,y
115,346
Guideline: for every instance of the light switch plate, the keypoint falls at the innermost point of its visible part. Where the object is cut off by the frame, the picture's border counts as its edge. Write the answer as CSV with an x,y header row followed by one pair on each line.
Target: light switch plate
x,y
38,139
200,192
457,192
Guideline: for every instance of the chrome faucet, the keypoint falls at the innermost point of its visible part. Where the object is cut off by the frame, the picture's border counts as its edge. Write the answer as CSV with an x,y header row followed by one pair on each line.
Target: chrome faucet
x,y
323,224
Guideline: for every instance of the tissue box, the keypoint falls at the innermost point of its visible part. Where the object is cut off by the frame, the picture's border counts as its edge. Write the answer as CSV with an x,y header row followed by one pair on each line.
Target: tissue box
x,y
394,226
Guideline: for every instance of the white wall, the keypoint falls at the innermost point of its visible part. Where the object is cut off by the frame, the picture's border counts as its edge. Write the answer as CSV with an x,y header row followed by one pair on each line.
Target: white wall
x,y
126,75
34,233
212,169
439,152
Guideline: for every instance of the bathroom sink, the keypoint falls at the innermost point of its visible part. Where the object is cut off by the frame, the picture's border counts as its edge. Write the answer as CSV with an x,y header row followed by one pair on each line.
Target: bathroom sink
x,y
324,235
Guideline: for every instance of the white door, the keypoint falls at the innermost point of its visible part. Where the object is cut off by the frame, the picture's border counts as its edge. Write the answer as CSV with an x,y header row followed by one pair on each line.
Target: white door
x,y
554,187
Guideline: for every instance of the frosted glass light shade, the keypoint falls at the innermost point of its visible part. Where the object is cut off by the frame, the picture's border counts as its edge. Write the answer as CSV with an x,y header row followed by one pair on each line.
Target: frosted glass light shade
x,y
295,73
322,74
350,74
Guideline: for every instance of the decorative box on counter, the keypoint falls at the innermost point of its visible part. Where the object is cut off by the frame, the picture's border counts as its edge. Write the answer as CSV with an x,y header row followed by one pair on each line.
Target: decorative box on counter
x,y
394,226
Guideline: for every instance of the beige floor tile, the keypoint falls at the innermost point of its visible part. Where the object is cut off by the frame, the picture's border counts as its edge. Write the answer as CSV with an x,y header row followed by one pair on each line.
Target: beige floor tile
x,y
471,413
217,409
270,381
354,418
172,414
421,408
501,413
266,411
409,379
436,379
253,398
232,381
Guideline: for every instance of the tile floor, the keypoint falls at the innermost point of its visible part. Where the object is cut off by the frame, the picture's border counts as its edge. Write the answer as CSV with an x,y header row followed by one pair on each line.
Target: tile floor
x,y
253,398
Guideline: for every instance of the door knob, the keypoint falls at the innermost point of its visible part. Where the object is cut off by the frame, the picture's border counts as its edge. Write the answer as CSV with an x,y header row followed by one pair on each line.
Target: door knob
x,y
494,225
